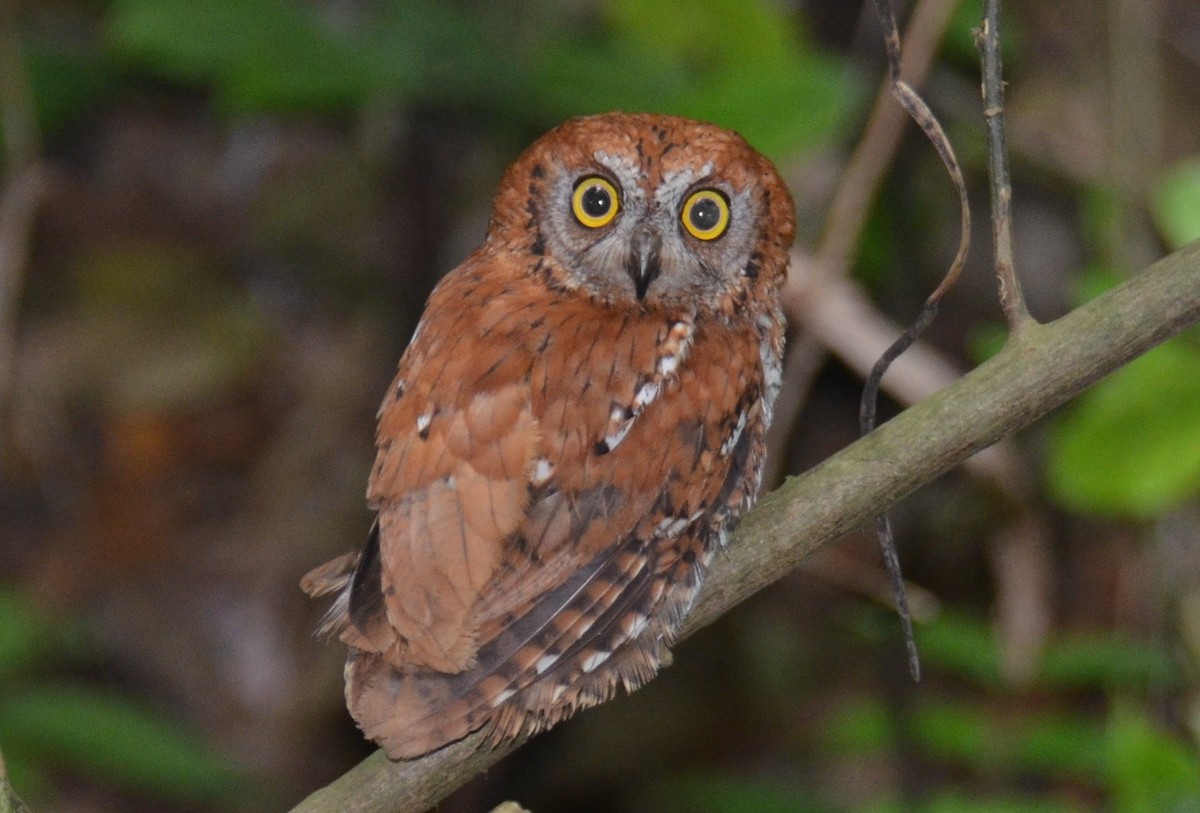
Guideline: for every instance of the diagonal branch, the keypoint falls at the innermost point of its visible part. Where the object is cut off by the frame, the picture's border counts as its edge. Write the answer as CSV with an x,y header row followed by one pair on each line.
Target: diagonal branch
x,y
1041,367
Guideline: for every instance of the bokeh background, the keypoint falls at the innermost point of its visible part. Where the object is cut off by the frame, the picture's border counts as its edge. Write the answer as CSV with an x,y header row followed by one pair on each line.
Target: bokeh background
x,y
218,226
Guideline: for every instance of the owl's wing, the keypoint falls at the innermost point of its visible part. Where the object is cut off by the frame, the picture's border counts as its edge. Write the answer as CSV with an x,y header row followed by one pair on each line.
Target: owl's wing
x,y
457,445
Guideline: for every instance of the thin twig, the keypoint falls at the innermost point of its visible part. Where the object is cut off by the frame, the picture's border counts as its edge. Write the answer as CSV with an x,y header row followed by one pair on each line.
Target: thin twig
x,y
920,113
809,282
1021,563
859,184
842,319
1012,300
1038,370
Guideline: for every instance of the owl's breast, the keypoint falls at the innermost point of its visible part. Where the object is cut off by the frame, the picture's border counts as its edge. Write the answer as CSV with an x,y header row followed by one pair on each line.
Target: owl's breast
x,y
653,404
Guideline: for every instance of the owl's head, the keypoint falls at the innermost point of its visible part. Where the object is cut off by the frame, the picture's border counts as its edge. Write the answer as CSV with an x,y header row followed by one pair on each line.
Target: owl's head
x,y
648,209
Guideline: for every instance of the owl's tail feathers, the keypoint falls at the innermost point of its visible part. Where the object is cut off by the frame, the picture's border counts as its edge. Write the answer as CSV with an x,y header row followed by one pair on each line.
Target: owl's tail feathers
x,y
408,713
411,710
333,576
572,649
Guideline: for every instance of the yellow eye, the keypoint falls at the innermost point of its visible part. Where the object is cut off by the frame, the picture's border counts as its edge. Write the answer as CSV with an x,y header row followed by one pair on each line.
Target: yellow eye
x,y
706,214
595,202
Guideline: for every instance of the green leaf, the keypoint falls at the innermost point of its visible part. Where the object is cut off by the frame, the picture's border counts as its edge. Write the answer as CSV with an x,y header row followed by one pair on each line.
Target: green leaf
x,y
1053,746
960,733
114,739
1035,743
794,106
1101,661
29,636
741,65
1152,771
66,85
962,646
257,53
972,735
859,726
446,56
577,78
276,55
1131,446
1176,203
24,634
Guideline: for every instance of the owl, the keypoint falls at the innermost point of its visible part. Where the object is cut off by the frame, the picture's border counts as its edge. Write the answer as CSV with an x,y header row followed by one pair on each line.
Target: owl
x,y
575,426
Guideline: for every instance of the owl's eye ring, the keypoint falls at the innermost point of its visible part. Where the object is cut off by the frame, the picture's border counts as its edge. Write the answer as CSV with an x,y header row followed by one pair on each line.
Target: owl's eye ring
x,y
595,201
705,214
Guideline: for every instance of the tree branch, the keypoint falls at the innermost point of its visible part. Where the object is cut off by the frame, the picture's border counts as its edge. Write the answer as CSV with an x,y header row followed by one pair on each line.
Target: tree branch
x,y
1041,367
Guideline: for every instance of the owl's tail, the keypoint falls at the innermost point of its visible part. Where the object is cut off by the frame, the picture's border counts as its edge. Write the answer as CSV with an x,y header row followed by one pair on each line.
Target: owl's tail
x,y
569,650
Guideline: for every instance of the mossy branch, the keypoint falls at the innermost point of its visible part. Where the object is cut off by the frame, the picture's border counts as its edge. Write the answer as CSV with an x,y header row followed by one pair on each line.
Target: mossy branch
x,y
1040,368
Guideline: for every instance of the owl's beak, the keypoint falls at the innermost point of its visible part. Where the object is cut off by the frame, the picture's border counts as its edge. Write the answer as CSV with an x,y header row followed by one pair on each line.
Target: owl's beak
x,y
643,263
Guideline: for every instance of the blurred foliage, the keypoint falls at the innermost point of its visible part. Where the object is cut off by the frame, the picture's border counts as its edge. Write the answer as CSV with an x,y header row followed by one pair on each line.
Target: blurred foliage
x,y
66,84
161,329
26,637
735,63
740,64
1141,766
728,794
1149,770
1176,203
104,734
1131,446
116,739
965,648
261,55
954,802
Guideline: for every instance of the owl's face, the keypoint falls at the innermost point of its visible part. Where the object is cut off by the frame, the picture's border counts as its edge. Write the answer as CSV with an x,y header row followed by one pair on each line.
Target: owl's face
x,y
650,210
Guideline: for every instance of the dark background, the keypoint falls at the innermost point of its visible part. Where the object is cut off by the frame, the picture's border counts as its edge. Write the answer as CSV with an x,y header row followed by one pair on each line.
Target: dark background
x,y
243,206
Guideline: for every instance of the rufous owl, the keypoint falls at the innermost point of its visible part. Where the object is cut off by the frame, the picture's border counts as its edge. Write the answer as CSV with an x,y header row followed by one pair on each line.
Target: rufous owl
x,y
576,424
